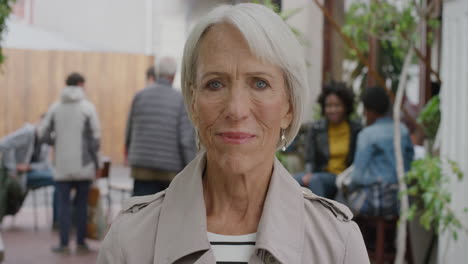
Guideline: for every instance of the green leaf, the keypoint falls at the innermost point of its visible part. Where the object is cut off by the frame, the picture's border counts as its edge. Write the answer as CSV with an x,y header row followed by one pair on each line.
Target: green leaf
x,y
433,23
5,10
430,116
285,15
411,213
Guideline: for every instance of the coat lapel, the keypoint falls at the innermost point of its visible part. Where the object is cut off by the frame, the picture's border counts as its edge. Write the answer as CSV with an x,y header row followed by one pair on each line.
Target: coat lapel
x,y
281,229
182,223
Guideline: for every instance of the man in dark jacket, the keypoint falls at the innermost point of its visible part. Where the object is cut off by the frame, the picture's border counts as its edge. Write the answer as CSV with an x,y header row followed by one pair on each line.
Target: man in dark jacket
x,y
159,137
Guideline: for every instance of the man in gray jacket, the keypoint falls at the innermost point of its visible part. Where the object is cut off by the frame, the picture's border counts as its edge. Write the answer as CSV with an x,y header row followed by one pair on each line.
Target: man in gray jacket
x,y
159,136
74,125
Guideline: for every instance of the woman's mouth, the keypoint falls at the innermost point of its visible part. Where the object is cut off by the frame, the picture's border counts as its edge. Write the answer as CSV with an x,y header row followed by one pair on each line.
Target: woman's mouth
x,y
236,137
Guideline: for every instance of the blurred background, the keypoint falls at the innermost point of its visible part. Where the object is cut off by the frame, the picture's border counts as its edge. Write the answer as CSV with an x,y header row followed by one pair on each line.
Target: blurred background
x,y
361,43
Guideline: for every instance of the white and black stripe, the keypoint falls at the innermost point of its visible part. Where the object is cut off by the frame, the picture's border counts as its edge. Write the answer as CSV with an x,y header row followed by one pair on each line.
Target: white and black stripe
x,y
232,249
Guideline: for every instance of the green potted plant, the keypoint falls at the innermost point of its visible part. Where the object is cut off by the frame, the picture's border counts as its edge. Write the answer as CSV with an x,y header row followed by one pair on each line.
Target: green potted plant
x,y
427,181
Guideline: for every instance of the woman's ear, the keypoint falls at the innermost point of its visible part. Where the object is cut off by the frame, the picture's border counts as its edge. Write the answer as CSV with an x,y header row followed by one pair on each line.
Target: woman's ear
x,y
287,118
193,107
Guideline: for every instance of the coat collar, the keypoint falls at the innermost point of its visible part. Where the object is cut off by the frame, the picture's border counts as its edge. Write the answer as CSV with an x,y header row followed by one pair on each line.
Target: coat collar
x,y
182,224
281,227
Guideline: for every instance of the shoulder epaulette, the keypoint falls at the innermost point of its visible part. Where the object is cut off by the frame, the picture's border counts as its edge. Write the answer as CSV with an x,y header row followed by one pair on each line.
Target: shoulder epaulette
x,y
137,203
340,211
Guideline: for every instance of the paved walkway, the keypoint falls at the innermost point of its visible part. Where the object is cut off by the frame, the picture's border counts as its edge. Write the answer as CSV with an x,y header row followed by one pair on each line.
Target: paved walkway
x,y
24,245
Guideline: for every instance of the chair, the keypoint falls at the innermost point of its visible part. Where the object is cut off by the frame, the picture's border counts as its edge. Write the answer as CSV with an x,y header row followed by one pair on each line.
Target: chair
x,y
33,189
105,173
384,229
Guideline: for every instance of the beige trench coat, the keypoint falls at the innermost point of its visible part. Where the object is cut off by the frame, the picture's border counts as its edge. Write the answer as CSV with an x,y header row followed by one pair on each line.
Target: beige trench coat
x,y
296,226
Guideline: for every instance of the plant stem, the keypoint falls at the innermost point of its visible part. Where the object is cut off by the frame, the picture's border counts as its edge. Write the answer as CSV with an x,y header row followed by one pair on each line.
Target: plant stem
x,y
404,204
351,44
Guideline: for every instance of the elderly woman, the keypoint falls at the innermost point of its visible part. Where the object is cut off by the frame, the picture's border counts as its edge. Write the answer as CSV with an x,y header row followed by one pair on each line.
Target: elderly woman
x,y
244,82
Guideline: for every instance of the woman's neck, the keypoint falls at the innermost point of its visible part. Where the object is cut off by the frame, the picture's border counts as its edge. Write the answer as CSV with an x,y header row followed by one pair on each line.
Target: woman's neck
x,y
234,200
336,124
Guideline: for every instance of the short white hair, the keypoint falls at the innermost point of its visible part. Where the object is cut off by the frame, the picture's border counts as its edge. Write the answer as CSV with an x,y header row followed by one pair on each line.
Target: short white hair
x,y
268,37
166,67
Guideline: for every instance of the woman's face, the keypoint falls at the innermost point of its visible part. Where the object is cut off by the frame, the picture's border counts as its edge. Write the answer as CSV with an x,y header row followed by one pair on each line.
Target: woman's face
x,y
240,103
334,109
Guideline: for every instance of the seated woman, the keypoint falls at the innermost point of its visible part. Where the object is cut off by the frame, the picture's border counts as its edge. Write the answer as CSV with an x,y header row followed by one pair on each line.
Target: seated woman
x,y
26,157
330,142
373,190
244,82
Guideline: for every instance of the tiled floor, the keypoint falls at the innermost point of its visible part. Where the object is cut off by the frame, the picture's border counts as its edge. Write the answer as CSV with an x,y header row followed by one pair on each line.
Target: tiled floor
x,y
24,245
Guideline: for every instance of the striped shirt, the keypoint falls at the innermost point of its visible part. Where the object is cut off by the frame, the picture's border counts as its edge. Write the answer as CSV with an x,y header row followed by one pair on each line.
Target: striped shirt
x,y
232,249
159,133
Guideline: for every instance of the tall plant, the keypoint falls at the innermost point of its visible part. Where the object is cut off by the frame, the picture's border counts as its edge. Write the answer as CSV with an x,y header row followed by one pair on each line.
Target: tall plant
x,y
426,178
431,200
5,10
393,27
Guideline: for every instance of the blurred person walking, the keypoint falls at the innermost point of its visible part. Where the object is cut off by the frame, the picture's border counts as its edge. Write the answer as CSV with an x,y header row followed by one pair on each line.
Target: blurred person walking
x,y
74,125
160,139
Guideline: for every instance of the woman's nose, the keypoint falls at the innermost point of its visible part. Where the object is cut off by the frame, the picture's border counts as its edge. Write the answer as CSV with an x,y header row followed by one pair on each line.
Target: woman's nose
x,y
238,103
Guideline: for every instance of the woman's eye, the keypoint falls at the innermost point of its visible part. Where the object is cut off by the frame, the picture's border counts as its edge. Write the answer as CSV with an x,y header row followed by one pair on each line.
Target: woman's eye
x,y
260,84
215,85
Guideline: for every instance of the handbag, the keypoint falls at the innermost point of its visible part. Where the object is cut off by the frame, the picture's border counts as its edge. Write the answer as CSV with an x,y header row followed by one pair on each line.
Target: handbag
x,y
344,179
96,227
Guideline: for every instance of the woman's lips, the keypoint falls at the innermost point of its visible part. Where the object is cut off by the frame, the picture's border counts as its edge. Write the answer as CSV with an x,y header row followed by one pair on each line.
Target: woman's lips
x,y
236,137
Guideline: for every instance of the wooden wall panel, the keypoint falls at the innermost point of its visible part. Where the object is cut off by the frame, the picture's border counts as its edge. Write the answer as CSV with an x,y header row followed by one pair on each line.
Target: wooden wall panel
x,y
30,81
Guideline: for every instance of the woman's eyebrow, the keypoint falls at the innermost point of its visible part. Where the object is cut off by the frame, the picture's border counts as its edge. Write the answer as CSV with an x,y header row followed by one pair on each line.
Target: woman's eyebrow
x,y
225,74
259,73
216,73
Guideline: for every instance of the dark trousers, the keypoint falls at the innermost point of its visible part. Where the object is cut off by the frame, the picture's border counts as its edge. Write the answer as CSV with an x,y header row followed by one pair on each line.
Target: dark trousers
x,y
81,209
42,178
321,183
141,188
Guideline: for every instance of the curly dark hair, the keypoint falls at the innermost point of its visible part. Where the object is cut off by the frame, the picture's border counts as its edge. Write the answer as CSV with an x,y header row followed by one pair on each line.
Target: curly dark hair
x,y
376,99
343,92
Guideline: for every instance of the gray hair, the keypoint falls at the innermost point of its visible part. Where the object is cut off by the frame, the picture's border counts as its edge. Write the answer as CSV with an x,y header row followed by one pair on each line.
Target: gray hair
x,y
268,37
167,67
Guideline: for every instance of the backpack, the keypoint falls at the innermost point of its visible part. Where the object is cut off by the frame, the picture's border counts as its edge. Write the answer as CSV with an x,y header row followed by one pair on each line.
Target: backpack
x,y
11,194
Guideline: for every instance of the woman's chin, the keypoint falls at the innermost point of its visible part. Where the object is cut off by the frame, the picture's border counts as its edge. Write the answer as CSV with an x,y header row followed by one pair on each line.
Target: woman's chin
x,y
335,120
236,161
